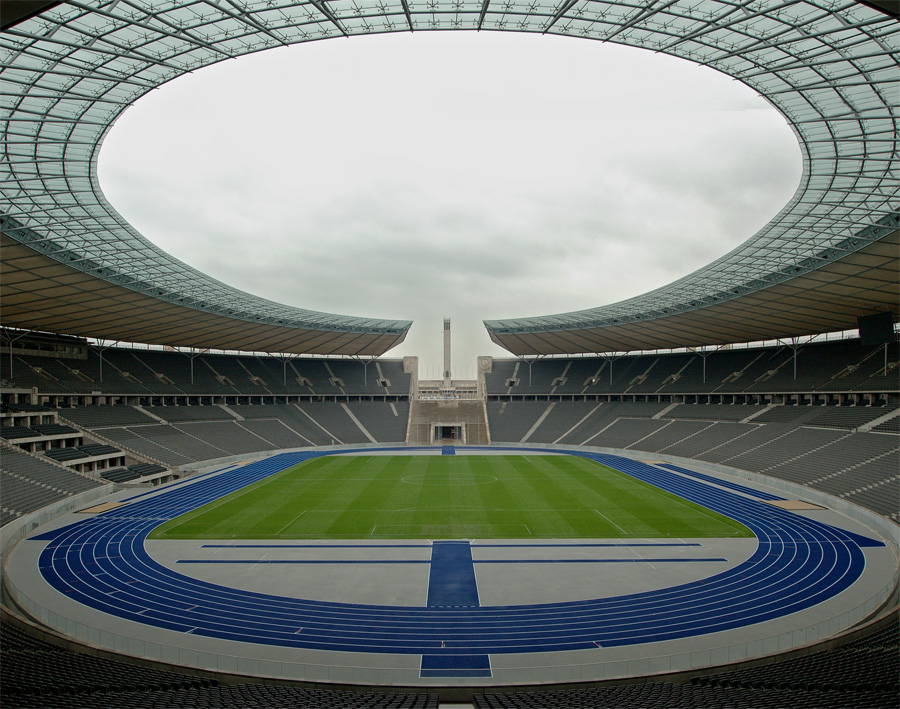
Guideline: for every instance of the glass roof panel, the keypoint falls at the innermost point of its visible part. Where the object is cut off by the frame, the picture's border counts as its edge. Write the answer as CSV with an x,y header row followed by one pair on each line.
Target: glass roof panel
x,y
830,67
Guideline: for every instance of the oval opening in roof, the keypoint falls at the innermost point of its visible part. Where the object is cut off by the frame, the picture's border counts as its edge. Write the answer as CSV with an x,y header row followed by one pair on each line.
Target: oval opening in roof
x,y
475,175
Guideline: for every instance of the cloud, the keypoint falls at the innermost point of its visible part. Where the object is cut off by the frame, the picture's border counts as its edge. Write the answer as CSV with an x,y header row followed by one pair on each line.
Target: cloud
x,y
475,176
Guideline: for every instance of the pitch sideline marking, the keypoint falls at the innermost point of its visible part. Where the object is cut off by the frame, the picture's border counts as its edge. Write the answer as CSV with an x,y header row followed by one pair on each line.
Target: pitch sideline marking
x,y
611,522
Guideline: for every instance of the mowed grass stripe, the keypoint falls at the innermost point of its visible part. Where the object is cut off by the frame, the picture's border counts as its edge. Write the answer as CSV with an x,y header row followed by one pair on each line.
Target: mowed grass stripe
x,y
626,503
535,498
570,489
384,491
632,504
440,497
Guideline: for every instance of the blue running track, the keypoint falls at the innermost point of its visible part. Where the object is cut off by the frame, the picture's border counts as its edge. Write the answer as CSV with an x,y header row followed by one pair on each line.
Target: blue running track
x,y
101,563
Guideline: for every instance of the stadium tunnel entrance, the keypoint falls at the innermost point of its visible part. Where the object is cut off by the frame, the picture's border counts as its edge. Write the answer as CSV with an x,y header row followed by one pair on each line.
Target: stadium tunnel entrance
x,y
449,433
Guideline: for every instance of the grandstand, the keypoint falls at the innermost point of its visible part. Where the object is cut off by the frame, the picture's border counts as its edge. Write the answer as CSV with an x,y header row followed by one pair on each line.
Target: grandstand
x,y
831,439
729,371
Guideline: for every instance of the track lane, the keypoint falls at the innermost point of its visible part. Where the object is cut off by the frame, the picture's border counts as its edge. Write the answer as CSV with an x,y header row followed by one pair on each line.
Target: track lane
x,y
102,563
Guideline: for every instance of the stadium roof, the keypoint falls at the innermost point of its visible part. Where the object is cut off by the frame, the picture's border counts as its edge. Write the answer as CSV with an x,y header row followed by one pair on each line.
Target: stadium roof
x,y
831,254
72,264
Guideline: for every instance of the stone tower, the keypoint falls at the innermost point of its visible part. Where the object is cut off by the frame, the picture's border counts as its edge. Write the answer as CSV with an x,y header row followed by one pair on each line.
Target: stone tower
x,y
446,352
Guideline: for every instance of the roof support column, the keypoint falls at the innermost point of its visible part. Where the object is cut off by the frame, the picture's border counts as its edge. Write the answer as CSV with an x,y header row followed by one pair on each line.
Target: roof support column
x,y
192,354
8,336
100,347
611,358
795,347
284,363
365,363
529,362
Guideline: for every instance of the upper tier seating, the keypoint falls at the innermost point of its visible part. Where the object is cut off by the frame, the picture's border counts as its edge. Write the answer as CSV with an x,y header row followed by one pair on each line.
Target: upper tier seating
x,y
144,373
844,365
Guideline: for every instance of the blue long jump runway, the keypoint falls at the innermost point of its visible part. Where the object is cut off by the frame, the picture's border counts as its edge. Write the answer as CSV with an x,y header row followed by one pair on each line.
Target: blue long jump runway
x,y
101,563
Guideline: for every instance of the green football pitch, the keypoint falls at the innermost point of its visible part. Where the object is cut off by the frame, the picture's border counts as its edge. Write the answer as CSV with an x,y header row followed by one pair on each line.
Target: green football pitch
x,y
449,497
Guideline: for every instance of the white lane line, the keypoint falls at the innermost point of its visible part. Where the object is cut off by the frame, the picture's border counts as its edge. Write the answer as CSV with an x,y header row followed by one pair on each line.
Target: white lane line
x,y
610,521
289,523
253,566
638,555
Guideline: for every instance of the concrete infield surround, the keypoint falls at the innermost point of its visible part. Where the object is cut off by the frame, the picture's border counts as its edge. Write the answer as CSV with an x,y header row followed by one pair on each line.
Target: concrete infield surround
x,y
454,612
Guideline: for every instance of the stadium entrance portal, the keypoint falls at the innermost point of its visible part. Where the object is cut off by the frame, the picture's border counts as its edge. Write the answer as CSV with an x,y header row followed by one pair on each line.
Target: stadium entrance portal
x,y
448,433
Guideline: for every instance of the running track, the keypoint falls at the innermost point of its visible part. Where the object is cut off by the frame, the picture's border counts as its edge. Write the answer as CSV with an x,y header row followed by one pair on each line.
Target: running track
x,y
101,562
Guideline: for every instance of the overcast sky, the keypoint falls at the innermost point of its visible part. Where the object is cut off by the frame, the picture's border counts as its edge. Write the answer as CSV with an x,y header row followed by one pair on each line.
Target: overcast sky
x,y
464,175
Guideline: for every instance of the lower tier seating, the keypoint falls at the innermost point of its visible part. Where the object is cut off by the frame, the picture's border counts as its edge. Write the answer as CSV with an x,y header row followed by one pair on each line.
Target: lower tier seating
x,y
861,674
29,483
201,436
862,467
37,675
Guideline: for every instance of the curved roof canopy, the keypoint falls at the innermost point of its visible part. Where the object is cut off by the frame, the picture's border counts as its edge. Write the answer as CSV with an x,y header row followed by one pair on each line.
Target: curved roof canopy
x,y
830,255
829,66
